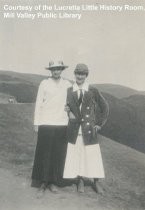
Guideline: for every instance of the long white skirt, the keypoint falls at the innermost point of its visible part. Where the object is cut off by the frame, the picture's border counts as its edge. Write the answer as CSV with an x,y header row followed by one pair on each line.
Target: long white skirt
x,y
82,160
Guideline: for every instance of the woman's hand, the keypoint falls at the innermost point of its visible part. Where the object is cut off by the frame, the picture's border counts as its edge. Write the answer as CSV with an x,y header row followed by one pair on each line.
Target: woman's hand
x,y
71,116
67,108
98,128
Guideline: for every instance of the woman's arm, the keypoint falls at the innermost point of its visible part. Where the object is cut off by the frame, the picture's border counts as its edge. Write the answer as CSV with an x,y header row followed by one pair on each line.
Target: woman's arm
x,y
39,101
104,109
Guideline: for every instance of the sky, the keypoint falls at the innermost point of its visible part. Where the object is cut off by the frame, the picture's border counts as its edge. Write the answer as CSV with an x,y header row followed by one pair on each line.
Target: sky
x,y
111,43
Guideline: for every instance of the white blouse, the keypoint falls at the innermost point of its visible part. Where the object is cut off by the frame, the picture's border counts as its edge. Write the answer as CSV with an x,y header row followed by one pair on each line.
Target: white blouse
x,y
50,102
85,87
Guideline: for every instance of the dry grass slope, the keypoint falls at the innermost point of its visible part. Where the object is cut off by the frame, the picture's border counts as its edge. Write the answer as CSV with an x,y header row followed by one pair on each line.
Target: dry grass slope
x,y
124,167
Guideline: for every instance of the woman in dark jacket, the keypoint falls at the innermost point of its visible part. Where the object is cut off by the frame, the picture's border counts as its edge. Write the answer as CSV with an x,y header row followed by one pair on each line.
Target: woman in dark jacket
x,y
88,112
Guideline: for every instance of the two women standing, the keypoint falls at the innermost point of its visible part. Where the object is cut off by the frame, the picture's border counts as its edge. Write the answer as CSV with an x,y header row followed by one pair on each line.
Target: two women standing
x,y
87,112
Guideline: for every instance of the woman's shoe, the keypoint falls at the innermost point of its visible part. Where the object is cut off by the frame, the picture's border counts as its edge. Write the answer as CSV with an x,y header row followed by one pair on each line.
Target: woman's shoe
x,y
41,190
97,187
81,186
53,188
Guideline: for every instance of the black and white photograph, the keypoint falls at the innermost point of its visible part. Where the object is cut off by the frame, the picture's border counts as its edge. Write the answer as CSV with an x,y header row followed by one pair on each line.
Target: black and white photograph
x,y
72,105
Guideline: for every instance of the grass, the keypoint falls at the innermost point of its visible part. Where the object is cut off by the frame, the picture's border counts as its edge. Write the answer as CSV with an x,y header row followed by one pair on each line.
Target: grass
x,y
124,167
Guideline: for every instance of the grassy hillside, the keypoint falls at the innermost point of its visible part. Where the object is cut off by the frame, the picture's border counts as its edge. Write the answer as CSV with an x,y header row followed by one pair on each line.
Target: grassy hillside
x,y
124,167
16,132
118,91
26,78
136,100
127,115
125,123
23,92
22,86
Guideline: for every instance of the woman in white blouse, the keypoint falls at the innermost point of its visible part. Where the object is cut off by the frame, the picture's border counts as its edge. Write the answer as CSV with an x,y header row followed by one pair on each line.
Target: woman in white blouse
x,y
50,120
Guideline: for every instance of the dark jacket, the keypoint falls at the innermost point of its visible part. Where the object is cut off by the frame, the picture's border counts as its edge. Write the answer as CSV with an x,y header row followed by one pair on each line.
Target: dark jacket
x,y
94,111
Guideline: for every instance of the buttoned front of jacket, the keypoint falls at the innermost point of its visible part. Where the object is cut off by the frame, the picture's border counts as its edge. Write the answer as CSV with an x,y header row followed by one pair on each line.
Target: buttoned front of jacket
x,y
94,111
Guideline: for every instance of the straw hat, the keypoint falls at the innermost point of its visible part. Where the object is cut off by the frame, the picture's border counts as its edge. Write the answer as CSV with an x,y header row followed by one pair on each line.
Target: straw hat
x,y
56,65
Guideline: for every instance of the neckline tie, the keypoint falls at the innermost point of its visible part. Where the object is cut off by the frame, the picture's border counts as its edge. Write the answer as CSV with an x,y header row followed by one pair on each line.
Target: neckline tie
x,y
80,97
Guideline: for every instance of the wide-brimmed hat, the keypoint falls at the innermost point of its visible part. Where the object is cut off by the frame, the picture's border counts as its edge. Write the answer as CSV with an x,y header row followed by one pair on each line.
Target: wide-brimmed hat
x,y
56,65
81,68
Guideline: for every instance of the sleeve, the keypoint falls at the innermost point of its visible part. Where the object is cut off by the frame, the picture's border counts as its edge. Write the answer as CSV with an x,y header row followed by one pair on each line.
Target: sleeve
x,y
67,96
103,108
38,105
69,84
69,87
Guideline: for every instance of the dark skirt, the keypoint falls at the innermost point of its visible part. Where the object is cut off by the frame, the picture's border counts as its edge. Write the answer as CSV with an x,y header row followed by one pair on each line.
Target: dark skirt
x,y
49,155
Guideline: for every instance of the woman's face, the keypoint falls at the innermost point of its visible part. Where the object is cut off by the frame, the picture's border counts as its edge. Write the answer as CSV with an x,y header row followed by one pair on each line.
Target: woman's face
x,y
80,78
56,73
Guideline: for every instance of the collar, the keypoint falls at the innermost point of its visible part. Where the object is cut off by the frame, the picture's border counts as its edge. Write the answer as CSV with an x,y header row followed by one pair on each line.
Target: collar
x,y
55,81
50,77
85,87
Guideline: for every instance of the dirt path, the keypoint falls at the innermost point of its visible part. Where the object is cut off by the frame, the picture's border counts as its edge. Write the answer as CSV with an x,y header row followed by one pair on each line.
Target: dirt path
x,y
16,194
123,185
